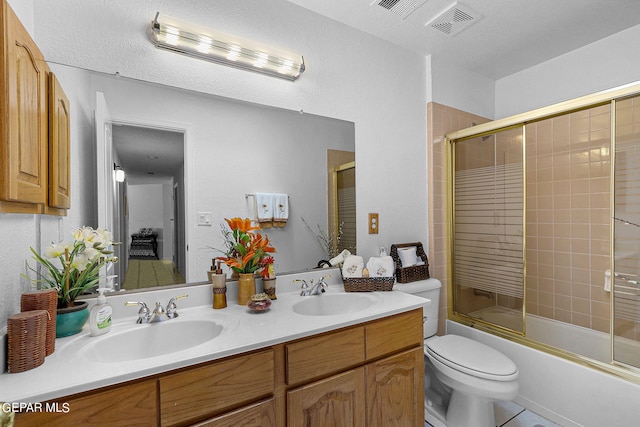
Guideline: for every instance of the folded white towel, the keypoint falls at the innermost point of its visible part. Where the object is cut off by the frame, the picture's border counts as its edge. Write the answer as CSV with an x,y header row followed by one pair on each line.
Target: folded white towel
x,y
264,209
353,266
339,259
280,209
381,266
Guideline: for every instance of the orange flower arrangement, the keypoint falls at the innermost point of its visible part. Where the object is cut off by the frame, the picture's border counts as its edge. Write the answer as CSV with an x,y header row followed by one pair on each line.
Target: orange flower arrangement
x,y
247,249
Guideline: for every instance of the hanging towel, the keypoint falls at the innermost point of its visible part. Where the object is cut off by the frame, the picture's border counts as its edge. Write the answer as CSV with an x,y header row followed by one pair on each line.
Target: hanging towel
x,y
380,266
353,266
280,209
607,280
264,209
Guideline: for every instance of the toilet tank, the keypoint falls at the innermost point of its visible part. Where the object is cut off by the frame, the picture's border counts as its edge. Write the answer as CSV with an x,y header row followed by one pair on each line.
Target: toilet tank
x,y
430,289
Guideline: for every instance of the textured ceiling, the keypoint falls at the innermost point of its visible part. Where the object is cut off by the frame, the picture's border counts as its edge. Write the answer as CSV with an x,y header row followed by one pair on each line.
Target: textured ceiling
x,y
510,36
146,152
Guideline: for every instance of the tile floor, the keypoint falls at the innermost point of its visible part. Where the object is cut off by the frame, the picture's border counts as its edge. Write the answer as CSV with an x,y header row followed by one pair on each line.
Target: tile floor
x,y
509,414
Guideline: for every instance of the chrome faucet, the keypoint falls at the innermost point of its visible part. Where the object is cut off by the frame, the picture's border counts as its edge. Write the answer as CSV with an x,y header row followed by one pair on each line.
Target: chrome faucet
x,y
317,289
159,314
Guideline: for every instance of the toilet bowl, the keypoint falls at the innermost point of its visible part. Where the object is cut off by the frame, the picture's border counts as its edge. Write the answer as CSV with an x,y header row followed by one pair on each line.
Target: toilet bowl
x,y
469,375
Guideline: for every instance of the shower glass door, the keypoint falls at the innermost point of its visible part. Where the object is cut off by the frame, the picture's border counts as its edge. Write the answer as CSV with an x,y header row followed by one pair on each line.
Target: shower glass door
x,y
488,228
626,223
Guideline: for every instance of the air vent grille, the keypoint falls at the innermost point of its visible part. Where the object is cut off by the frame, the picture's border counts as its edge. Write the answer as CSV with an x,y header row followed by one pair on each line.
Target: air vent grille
x,y
453,20
403,8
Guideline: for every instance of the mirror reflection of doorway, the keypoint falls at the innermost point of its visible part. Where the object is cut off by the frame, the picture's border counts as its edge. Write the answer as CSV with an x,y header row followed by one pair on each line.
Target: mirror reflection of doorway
x,y
341,174
149,204
346,206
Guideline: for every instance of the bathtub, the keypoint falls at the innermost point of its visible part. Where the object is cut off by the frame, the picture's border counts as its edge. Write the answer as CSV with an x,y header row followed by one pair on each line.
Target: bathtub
x,y
576,339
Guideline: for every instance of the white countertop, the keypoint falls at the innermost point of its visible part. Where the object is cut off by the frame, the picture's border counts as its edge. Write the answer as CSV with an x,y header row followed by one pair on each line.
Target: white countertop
x,y
70,370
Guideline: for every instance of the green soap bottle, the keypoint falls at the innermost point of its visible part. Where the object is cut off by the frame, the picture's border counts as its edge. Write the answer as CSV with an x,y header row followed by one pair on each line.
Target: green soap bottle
x,y
100,315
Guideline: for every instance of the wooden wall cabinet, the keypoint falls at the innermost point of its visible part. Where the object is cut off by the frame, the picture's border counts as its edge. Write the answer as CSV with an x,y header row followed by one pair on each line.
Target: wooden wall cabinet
x,y
25,164
346,377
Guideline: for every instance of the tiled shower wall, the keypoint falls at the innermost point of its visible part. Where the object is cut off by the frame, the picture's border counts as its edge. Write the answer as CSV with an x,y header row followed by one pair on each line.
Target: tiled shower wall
x,y
568,217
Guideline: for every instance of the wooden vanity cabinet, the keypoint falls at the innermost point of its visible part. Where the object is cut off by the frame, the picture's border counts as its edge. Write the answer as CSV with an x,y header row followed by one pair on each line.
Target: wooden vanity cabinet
x,y
386,389
369,374
25,162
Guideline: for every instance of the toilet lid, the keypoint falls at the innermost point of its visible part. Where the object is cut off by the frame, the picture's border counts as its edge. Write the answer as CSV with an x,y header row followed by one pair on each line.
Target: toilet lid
x,y
472,357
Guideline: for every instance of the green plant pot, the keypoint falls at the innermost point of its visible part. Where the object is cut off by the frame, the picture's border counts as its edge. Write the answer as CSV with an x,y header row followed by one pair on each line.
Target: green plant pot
x,y
70,320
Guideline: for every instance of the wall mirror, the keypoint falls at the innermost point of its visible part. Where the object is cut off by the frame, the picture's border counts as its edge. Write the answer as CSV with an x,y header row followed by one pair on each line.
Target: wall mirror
x,y
230,149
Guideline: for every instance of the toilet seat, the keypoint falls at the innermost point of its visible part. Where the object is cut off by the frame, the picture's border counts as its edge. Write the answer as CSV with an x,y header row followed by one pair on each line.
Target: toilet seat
x,y
471,357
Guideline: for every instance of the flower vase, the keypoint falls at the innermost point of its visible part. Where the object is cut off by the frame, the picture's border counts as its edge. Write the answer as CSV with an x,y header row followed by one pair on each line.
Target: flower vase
x,y
246,288
269,287
70,320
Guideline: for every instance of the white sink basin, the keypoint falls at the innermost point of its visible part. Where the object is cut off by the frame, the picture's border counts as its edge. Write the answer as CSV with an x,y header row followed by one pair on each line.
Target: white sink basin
x,y
150,340
329,305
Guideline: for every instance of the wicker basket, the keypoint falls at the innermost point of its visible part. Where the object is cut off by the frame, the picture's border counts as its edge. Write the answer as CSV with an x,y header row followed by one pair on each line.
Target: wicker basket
x,y
43,300
368,284
27,335
413,273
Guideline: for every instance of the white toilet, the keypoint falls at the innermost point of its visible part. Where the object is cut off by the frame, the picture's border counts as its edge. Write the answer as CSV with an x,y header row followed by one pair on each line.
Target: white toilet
x,y
462,376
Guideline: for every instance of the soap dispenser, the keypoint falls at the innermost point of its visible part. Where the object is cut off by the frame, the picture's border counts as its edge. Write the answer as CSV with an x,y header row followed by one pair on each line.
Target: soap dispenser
x,y
100,315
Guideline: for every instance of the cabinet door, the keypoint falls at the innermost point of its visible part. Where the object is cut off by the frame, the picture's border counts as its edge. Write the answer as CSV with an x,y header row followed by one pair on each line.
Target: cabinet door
x,y
395,390
24,157
336,401
59,145
262,414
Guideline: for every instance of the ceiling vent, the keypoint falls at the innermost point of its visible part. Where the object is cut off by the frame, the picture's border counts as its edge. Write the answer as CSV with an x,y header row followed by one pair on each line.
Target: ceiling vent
x,y
403,8
455,19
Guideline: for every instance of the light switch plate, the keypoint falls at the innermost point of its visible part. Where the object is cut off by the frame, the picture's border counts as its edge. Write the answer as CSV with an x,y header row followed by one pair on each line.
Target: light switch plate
x,y
204,218
374,223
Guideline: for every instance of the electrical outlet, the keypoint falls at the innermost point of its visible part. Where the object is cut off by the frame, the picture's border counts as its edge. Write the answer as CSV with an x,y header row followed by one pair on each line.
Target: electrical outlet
x,y
204,218
374,224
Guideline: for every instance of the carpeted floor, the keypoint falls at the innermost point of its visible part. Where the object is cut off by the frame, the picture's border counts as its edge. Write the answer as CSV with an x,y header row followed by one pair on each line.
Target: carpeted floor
x,y
146,273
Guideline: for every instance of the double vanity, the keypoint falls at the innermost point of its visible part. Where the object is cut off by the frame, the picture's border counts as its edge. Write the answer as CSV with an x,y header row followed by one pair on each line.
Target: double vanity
x,y
333,358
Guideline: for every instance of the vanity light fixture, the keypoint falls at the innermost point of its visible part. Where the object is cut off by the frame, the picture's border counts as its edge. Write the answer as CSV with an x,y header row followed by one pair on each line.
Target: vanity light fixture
x,y
203,43
119,173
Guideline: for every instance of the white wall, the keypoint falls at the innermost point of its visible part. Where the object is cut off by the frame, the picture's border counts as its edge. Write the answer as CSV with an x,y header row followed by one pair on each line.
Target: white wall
x,y
462,89
146,207
607,63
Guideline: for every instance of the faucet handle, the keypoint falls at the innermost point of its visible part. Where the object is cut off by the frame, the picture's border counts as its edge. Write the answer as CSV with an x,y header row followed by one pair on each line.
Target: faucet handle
x,y
172,307
143,314
304,288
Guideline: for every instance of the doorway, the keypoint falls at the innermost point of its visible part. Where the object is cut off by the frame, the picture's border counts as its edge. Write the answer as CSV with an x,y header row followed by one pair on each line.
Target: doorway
x,y
149,206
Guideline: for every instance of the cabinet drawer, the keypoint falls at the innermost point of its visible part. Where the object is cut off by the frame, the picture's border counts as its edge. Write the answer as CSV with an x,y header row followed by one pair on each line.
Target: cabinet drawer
x,y
395,333
132,404
326,354
212,389
261,414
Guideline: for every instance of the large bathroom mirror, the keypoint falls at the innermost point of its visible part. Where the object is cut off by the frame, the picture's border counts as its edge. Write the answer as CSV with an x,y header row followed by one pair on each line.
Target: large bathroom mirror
x,y
230,151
